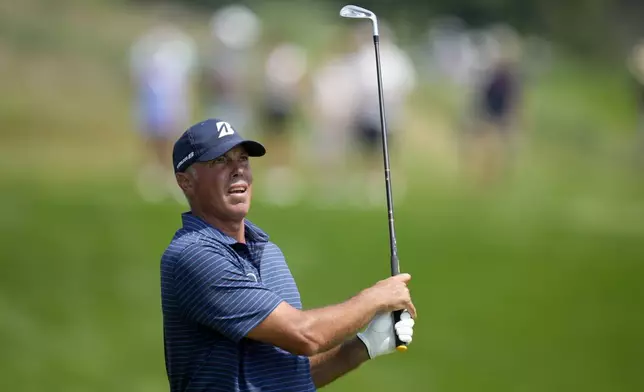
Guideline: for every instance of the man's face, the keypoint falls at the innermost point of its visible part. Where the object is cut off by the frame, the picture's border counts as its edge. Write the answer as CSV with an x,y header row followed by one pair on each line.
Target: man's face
x,y
222,187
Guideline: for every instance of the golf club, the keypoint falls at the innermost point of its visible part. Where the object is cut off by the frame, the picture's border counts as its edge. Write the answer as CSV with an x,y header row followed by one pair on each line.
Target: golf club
x,y
352,11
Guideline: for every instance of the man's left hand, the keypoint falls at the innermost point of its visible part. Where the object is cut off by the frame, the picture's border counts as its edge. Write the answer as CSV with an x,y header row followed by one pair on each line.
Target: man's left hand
x,y
379,336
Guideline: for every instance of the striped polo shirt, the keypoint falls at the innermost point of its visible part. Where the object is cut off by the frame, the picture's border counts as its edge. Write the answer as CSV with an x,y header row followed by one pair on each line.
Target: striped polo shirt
x,y
214,290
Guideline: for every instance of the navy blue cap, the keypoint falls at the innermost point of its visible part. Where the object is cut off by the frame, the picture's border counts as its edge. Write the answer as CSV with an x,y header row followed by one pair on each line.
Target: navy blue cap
x,y
208,140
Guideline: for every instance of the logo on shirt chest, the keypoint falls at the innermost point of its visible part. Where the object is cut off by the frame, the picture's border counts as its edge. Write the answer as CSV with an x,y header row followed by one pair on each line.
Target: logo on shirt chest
x,y
252,276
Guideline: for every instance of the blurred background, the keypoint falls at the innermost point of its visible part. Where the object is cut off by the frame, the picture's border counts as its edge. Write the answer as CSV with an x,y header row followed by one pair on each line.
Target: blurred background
x,y
517,150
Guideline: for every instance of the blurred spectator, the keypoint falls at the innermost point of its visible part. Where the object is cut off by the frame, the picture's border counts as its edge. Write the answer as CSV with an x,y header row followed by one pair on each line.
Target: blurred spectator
x,y
490,134
331,109
284,71
398,81
235,30
452,54
162,62
636,67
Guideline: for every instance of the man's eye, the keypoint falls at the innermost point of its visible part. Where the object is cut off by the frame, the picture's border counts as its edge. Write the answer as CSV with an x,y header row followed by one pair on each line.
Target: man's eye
x,y
244,158
217,160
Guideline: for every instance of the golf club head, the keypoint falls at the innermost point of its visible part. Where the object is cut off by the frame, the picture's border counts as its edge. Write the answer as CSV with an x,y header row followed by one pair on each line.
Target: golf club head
x,y
355,12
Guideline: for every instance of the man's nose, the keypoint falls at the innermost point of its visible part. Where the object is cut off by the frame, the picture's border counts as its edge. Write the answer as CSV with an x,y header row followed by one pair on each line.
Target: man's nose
x,y
237,166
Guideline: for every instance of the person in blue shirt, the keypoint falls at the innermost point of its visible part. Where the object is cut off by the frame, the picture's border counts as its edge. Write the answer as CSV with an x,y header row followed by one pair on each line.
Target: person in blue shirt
x,y
232,314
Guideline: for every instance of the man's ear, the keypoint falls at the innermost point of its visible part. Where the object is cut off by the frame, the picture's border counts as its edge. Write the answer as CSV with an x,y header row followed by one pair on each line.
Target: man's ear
x,y
184,180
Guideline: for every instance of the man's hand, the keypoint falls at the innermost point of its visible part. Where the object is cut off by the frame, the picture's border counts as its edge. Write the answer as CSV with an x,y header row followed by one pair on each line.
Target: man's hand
x,y
392,294
379,337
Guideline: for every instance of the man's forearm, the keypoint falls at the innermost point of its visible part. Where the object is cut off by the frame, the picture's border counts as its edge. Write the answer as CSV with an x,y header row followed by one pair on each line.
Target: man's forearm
x,y
329,366
331,325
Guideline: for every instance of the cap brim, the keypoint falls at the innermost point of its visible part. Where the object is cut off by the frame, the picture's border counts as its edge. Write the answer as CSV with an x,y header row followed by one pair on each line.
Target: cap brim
x,y
253,148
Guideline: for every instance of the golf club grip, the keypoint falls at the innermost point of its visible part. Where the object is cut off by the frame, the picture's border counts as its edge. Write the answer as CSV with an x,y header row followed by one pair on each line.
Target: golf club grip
x,y
400,346
395,270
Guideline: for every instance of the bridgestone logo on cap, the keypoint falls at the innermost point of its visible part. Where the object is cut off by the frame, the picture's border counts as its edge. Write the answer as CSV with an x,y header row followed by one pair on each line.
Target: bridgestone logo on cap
x,y
192,154
224,129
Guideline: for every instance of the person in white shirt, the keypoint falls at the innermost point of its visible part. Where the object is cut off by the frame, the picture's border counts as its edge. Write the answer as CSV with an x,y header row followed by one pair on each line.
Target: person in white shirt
x,y
398,81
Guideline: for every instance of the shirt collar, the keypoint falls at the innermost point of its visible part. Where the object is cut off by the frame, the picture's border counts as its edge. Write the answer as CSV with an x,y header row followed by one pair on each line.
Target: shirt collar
x,y
193,223
254,233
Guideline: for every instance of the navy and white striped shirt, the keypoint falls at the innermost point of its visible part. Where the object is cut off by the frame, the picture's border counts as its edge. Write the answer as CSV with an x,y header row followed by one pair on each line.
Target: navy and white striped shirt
x,y
214,290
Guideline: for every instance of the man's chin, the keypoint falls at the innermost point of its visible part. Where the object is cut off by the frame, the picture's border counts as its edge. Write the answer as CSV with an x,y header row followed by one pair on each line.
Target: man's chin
x,y
240,208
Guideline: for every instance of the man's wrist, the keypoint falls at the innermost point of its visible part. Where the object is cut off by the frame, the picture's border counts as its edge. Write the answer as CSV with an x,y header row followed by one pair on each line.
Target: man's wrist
x,y
362,340
366,296
359,349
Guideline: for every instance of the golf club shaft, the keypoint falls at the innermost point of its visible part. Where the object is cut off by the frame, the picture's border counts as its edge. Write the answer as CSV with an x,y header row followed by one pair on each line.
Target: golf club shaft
x,y
395,265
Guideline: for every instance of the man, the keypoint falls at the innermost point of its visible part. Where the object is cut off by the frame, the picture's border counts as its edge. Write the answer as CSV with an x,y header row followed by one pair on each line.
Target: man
x,y
490,139
398,82
330,107
285,68
162,65
234,31
232,312
636,67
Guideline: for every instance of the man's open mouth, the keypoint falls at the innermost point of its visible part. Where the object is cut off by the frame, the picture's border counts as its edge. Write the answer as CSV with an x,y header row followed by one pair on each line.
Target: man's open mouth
x,y
238,189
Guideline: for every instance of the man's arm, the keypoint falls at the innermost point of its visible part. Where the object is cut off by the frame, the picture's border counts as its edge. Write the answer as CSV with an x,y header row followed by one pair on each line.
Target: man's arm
x,y
335,363
212,291
315,331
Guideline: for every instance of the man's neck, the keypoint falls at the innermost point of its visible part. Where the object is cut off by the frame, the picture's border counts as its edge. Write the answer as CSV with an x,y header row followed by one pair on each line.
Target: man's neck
x,y
234,229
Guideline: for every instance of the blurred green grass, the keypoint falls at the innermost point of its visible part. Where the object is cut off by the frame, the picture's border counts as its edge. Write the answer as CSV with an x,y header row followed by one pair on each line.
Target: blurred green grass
x,y
532,285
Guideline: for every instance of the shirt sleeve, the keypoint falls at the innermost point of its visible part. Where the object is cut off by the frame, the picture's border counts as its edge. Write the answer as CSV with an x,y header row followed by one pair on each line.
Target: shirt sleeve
x,y
212,290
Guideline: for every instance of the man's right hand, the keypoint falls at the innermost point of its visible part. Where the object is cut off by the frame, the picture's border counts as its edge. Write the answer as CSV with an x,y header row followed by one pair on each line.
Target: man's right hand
x,y
392,294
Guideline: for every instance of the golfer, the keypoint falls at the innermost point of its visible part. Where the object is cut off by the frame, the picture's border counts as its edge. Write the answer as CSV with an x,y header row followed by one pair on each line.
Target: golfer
x,y
232,315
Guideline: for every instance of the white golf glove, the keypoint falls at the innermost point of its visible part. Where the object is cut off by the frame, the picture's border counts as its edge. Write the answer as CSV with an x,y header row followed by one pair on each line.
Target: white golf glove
x,y
379,337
